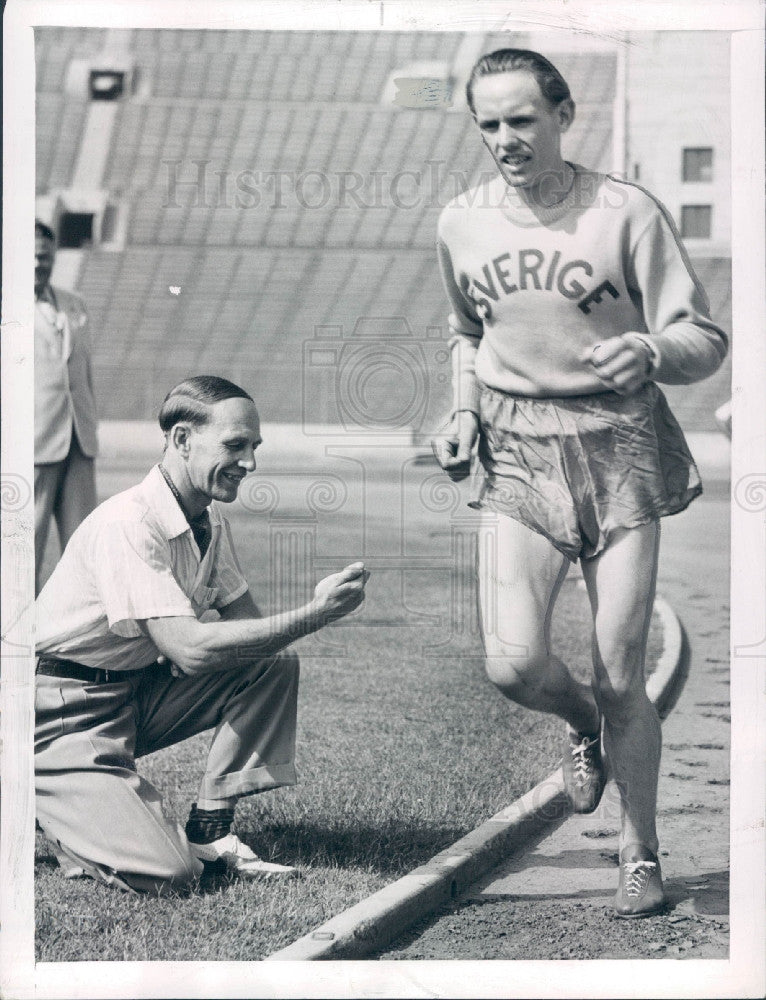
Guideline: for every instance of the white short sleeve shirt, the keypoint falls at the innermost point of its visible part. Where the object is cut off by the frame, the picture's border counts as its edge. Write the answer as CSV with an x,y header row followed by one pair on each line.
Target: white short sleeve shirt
x,y
133,558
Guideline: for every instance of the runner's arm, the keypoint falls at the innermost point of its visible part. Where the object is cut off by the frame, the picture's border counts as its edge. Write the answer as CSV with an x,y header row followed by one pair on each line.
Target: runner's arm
x,y
689,346
466,328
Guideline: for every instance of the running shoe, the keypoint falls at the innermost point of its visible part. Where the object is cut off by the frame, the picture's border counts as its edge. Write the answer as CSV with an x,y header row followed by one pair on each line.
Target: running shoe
x,y
640,892
584,771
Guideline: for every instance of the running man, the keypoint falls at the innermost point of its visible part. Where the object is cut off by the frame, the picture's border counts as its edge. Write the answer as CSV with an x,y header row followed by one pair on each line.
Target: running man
x,y
571,296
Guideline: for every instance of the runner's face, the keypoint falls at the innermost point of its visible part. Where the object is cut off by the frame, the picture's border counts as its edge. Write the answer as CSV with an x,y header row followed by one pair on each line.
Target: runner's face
x,y
519,127
222,451
44,255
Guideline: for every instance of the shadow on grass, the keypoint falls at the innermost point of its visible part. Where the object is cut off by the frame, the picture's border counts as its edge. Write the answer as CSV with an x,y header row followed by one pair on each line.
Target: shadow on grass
x,y
390,848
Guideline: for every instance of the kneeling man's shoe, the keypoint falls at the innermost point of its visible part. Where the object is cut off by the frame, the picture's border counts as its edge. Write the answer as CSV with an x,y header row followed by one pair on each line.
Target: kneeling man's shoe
x,y
229,854
640,892
584,771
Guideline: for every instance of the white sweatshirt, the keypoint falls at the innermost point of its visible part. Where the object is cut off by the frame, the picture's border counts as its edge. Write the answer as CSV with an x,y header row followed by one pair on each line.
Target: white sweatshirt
x,y
530,292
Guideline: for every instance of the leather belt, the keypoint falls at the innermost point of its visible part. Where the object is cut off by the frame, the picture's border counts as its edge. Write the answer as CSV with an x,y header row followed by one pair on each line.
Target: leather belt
x,y
52,666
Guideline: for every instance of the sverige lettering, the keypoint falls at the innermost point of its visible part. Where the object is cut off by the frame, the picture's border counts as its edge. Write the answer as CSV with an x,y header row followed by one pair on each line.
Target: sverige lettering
x,y
532,271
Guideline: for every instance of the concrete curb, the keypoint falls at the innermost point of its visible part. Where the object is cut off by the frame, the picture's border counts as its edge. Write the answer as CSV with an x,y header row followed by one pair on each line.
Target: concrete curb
x,y
659,685
376,921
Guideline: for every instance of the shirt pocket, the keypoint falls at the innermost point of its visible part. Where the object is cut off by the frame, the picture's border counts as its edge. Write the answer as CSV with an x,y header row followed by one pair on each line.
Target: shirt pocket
x,y
203,598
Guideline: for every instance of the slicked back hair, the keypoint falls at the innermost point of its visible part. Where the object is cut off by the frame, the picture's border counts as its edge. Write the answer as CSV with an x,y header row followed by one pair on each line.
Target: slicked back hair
x,y
552,84
190,401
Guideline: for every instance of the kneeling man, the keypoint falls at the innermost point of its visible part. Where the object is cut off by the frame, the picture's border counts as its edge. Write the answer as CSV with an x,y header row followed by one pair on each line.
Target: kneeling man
x,y
129,662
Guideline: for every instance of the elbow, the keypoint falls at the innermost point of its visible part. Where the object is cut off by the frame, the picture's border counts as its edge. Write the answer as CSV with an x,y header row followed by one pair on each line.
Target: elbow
x,y
195,658
191,664
683,375
684,367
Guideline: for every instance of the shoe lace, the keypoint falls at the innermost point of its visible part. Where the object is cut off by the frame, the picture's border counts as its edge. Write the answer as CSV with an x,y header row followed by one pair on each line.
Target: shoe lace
x,y
583,760
637,874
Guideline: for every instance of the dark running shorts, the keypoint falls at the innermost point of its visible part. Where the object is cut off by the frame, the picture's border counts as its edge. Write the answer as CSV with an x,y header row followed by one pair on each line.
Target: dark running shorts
x,y
575,468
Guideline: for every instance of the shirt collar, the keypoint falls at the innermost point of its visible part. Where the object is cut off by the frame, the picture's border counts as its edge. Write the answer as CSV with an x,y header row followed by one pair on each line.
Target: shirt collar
x,y
523,214
165,507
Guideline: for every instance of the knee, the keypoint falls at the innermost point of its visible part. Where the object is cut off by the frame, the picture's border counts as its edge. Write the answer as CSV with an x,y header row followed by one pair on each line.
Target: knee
x,y
619,692
283,664
289,659
517,676
173,866
179,878
619,653
280,671
184,871
170,864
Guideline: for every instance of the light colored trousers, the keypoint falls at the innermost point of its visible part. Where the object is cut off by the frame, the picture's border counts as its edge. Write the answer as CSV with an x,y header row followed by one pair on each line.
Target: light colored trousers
x,y
100,814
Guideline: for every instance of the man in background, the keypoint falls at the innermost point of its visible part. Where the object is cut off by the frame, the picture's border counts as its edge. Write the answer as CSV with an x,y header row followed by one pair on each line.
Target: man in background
x,y
65,409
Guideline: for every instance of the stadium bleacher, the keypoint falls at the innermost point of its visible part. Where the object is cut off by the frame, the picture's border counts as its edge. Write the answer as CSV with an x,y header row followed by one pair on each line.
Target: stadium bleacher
x,y
270,191
60,123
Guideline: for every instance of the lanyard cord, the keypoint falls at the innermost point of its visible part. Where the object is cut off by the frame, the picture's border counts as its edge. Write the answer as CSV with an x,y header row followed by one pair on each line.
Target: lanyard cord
x,y
200,525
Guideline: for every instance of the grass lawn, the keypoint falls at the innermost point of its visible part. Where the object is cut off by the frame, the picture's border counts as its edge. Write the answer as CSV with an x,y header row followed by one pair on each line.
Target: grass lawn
x,y
403,744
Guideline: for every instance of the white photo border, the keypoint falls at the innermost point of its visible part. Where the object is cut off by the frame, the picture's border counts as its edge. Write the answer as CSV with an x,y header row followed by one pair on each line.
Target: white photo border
x,y
743,973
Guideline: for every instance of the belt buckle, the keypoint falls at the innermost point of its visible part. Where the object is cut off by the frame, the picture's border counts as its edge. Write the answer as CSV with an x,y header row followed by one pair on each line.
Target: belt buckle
x,y
107,679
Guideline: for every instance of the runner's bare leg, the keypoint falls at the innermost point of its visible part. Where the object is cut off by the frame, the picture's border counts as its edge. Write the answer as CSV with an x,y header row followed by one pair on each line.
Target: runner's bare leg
x,y
520,574
621,585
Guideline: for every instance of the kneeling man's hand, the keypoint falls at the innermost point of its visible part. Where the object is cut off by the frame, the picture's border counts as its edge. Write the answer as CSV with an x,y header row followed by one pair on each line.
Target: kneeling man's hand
x,y
340,593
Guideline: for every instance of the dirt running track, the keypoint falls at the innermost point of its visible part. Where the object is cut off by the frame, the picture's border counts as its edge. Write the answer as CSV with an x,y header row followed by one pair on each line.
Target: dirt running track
x,y
554,901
